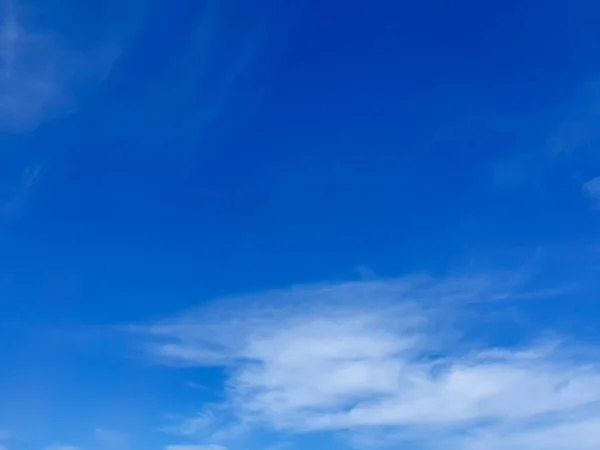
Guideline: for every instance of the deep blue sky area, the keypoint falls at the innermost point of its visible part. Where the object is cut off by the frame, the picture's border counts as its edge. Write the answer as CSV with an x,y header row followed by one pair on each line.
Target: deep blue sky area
x,y
192,164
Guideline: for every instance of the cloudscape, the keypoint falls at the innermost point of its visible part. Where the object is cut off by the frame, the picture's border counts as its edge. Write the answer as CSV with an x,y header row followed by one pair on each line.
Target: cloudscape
x,y
290,225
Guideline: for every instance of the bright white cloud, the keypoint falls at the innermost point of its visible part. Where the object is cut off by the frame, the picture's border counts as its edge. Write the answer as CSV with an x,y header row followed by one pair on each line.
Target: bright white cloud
x,y
371,356
591,188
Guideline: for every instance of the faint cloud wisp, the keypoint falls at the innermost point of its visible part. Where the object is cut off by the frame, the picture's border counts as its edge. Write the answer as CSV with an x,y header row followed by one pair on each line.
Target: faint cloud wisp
x,y
43,73
28,84
591,189
14,201
112,438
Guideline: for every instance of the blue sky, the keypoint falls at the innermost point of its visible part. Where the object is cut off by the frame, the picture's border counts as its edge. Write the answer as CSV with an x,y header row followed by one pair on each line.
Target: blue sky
x,y
230,225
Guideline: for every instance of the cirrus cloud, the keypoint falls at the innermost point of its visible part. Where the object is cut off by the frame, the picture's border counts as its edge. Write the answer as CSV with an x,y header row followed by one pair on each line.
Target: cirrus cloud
x,y
45,69
386,362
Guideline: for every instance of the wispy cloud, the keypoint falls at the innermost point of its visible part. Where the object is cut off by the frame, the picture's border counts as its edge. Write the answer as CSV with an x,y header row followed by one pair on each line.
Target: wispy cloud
x,y
43,72
30,85
16,197
581,433
563,137
112,438
195,447
384,357
208,93
591,189
61,447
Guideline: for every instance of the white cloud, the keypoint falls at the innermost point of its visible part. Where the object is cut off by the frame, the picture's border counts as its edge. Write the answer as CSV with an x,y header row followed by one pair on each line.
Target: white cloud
x,y
581,434
591,188
371,356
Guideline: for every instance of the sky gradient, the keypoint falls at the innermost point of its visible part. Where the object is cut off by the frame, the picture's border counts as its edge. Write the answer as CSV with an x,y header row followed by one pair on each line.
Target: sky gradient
x,y
232,225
